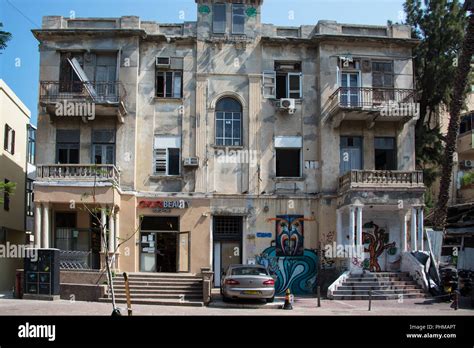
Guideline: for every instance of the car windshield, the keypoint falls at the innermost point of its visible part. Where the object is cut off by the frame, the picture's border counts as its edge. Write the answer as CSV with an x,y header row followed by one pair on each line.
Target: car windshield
x,y
249,271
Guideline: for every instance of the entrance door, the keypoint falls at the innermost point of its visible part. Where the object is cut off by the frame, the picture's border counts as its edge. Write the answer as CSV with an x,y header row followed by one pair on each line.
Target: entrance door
x,y
350,154
350,89
227,235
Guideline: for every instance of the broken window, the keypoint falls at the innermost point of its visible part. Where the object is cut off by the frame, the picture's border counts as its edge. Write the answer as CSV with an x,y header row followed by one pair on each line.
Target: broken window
x,y
103,146
385,154
67,146
228,122
105,74
219,18
169,84
167,155
288,156
238,18
69,81
288,80
350,154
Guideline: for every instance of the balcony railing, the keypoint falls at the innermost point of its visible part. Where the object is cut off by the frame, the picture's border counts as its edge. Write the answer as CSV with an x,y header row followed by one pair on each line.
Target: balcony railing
x,y
370,97
96,92
79,172
380,179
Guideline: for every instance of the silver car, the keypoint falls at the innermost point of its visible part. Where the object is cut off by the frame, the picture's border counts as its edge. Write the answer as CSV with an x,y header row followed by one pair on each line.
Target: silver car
x,y
247,282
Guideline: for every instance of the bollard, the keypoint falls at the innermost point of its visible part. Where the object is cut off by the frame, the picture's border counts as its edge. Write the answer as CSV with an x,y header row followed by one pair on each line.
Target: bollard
x,y
127,293
370,300
287,304
319,296
456,300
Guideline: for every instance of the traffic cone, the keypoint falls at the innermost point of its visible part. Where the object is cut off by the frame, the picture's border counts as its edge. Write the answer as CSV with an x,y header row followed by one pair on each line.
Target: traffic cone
x,y
287,304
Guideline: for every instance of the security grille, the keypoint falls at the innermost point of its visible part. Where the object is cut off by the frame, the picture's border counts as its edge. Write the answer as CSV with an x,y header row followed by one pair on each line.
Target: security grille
x,y
227,228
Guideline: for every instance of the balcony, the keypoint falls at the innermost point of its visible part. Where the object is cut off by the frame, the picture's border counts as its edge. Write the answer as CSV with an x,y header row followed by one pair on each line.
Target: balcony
x,y
372,105
381,180
98,173
83,99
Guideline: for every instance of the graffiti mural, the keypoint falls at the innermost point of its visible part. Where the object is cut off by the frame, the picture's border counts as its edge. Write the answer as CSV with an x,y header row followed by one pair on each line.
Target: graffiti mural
x,y
327,239
297,273
375,244
289,234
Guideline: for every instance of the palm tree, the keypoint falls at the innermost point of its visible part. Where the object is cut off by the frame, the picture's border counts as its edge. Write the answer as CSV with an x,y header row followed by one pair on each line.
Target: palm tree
x,y
460,83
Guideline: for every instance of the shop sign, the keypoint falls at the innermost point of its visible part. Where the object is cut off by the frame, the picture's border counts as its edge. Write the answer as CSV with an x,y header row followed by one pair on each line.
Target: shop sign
x,y
264,235
164,206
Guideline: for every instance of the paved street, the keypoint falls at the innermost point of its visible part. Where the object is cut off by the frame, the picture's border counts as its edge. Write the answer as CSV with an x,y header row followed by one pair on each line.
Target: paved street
x,y
302,306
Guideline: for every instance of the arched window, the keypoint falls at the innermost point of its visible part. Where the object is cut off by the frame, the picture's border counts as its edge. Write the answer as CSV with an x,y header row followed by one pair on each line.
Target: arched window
x,y
228,122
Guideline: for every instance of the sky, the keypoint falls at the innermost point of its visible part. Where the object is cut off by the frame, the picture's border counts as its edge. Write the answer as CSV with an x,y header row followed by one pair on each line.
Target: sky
x,y
19,62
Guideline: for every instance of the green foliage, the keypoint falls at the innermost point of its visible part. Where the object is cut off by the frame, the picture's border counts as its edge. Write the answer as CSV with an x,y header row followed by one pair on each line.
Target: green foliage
x,y
9,187
4,37
440,26
467,179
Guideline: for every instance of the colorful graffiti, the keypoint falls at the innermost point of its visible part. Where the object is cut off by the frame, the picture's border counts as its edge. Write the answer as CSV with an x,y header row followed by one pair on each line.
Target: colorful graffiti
x,y
289,234
297,273
327,239
375,244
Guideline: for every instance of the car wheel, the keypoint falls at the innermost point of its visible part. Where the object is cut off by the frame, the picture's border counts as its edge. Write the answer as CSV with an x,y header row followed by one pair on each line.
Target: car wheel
x,y
270,300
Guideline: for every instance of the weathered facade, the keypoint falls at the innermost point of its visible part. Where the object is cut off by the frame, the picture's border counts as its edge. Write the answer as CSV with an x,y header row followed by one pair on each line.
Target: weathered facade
x,y
226,140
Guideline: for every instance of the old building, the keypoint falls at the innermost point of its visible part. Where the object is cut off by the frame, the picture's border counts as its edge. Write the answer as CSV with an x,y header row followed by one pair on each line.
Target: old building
x,y
225,140
16,167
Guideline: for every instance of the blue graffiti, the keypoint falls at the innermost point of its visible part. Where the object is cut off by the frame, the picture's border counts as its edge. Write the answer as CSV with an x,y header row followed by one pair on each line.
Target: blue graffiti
x,y
297,273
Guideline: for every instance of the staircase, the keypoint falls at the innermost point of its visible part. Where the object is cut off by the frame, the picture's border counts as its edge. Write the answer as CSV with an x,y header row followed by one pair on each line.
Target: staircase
x,y
173,289
384,286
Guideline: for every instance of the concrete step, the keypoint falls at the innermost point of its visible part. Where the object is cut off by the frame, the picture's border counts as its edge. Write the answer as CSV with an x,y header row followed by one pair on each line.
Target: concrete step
x,y
176,296
158,283
377,279
387,283
378,297
133,292
378,292
160,287
157,302
376,287
162,276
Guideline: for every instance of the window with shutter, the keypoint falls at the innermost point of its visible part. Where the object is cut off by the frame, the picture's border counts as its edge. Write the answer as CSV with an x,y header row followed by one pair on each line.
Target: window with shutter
x,y
160,161
269,84
167,155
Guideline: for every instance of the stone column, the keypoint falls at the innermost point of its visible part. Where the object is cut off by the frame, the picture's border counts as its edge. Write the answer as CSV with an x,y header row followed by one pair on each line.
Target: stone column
x,y
45,231
351,226
403,230
413,230
103,222
359,226
111,232
339,234
420,228
201,132
38,209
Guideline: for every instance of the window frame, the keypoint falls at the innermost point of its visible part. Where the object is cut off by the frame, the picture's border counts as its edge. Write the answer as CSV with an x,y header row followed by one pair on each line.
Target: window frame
x,y
287,74
31,144
165,78
6,196
30,197
167,157
300,160
233,120
395,149
235,6
9,140
214,6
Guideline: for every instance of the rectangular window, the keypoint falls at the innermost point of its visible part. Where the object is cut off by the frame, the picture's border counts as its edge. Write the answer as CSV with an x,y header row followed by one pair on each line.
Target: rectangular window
x,y
238,18
31,144
29,197
69,81
288,80
6,196
228,128
169,84
167,155
9,139
103,146
67,146
385,154
382,77
219,18
288,156
466,124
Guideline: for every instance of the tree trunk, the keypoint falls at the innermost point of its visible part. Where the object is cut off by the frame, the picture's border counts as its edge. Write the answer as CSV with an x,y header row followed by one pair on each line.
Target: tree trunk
x,y
460,82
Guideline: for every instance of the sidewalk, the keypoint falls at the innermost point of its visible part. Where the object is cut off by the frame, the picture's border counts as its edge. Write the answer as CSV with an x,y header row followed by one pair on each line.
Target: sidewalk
x,y
301,306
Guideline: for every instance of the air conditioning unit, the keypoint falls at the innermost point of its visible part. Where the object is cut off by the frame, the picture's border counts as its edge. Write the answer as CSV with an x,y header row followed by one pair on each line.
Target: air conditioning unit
x,y
163,62
288,105
468,163
191,162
